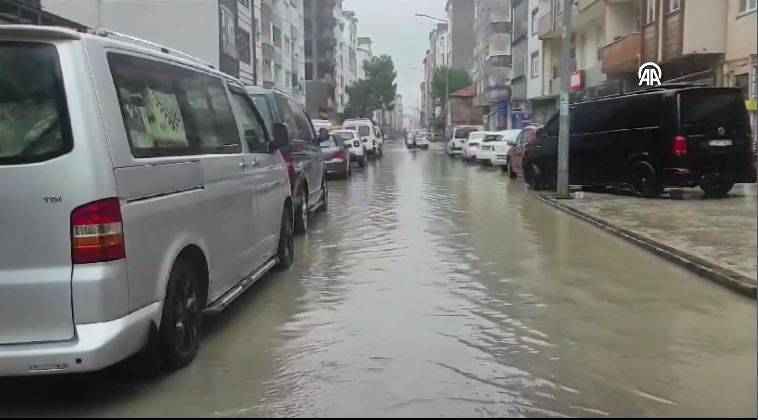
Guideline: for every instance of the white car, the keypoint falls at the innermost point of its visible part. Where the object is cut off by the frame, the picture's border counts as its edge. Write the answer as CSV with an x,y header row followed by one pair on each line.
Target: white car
x,y
421,141
472,144
458,138
494,148
369,134
357,150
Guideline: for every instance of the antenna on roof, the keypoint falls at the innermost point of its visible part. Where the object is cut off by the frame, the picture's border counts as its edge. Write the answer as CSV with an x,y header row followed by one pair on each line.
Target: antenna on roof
x,y
109,33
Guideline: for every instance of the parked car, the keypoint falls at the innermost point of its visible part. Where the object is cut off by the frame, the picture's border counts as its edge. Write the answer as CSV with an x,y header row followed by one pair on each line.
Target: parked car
x,y
336,156
302,155
370,135
124,194
472,144
494,148
516,151
672,136
356,149
436,137
458,138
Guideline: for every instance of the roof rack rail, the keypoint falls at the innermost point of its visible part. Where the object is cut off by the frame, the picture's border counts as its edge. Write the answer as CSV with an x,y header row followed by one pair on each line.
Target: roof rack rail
x,y
105,33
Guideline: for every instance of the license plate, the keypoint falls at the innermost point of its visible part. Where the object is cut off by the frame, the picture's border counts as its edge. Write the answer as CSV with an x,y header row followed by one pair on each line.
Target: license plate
x,y
720,143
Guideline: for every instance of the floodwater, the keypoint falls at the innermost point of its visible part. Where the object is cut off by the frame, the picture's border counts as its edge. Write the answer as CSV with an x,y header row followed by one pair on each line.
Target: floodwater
x,y
432,287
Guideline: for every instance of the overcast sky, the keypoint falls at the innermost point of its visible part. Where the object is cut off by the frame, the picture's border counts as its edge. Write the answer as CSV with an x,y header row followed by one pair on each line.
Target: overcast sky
x,y
394,30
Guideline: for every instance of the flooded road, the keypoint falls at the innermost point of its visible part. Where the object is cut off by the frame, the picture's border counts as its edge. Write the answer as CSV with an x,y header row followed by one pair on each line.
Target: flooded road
x,y
433,287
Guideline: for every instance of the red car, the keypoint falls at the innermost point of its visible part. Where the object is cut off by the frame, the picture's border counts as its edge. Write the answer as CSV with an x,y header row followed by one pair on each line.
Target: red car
x,y
516,152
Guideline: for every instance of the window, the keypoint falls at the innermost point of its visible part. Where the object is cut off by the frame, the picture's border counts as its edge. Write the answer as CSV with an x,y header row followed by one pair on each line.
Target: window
x,y
705,107
261,103
742,81
559,6
535,65
305,130
249,122
673,5
277,36
535,21
170,111
245,3
34,124
243,45
650,10
228,32
748,5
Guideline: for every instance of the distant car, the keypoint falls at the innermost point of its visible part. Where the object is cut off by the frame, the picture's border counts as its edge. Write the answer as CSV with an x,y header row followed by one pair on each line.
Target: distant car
x,y
674,136
458,138
494,149
335,153
356,149
370,134
420,141
436,137
516,151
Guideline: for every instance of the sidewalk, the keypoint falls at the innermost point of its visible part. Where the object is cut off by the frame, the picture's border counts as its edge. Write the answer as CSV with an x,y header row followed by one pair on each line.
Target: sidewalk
x,y
715,238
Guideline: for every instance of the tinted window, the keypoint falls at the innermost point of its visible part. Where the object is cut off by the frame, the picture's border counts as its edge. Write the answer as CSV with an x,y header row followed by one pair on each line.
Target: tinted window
x,y
551,128
170,111
261,102
34,123
286,115
638,111
364,131
345,135
712,107
251,125
302,123
462,133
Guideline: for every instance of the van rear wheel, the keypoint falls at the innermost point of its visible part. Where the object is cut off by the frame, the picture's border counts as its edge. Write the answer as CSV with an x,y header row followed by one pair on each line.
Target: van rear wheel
x,y
286,249
182,316
644,181
301,211
536,178
716,187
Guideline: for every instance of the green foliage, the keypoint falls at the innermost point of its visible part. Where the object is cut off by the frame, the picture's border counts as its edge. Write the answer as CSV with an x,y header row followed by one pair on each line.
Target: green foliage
x,y
458,79
376,92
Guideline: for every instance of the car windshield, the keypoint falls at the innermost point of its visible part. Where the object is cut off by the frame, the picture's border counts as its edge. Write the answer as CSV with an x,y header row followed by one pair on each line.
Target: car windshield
x,y
462,133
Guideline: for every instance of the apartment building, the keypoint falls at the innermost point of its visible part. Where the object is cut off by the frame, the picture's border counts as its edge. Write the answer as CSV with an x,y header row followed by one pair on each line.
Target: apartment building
x,y
30,12
539,105
321,50
461,38
282,46
492,61
347,59
364,54
221,29
741,57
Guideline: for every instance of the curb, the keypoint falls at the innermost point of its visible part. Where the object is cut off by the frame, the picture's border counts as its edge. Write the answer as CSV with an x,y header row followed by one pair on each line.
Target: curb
x,y
725,277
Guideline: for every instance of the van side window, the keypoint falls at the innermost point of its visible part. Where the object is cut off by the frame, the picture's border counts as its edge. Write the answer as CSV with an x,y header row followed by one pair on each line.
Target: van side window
x,y
286,115
303,123
250,122
34,123
551,127
171,111
261,103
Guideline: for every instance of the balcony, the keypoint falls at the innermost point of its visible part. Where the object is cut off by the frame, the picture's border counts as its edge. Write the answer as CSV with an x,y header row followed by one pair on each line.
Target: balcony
x,y
547,27
499,59
622,55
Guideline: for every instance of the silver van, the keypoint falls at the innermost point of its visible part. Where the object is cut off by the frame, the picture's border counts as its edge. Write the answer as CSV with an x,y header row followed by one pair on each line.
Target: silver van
x,y
139,190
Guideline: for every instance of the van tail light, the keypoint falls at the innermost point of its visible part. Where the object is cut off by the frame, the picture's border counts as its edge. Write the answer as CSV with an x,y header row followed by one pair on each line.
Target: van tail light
x,y
365,140
290,163
680,146
340,155
97,232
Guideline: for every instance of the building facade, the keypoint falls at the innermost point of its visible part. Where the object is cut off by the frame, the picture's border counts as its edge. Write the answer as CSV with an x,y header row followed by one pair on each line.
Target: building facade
x,y
347,66
364,53
221,32
321,19
282,44
492,63
461,38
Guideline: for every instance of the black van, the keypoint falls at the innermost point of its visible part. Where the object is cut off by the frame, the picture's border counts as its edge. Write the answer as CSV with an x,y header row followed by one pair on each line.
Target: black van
x,y
670,136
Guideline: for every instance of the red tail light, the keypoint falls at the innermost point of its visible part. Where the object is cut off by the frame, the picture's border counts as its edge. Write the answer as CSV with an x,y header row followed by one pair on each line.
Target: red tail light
x,y
680,146
340,155
97,233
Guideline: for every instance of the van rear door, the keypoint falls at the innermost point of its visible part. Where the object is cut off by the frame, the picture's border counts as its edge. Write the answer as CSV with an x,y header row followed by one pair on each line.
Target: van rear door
x,y
36,166
716,125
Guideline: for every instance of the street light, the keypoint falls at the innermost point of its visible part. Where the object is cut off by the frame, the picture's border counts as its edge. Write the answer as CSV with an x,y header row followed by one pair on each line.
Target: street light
x,y
447,65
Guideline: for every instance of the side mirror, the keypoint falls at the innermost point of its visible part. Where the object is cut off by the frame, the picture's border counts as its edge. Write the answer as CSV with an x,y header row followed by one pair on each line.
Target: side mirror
x,y
511,143
281,135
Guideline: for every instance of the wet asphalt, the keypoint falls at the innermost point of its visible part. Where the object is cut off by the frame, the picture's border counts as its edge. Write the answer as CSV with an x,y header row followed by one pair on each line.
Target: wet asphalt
x,y
433,287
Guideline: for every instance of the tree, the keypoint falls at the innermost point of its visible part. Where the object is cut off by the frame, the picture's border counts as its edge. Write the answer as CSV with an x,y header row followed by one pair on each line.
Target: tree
x,y
458,79
374,93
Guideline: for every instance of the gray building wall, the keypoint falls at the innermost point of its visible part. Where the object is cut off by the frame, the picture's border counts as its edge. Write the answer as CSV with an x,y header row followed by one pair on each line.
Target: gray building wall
x,y
461,31
520,50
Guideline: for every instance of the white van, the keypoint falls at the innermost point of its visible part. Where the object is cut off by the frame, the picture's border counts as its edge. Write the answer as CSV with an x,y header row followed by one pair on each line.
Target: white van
x,y
458,137
140,190
370,134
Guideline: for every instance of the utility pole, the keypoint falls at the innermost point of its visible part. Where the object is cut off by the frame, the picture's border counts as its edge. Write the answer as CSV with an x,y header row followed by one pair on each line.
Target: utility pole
x,y
564,120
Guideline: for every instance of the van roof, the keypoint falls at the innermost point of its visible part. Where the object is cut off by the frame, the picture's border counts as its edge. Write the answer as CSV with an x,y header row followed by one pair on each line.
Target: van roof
x,y
39,32
662,89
